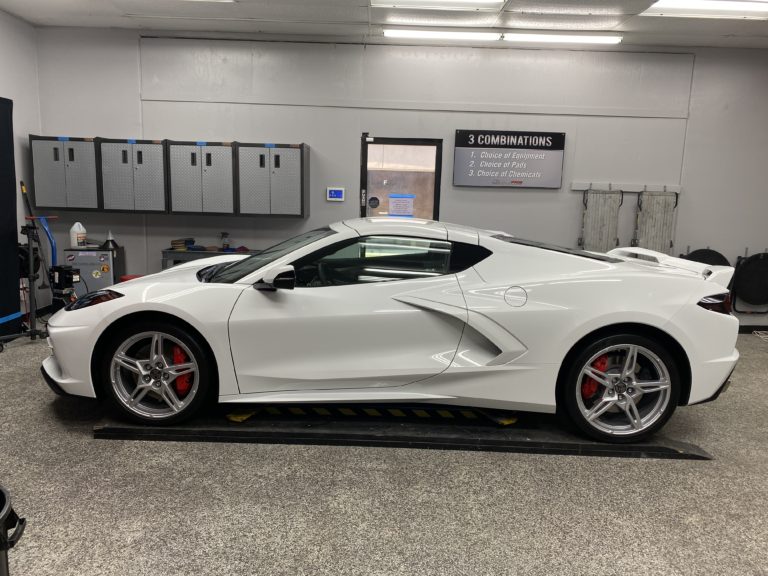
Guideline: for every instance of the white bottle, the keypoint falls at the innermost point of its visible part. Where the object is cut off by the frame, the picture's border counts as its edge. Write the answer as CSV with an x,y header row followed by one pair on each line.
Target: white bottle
x,y
77,236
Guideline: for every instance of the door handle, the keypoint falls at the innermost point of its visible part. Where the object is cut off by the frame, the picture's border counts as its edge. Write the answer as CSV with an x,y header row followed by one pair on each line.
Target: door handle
x,y
277,160
55,154
125,156
71,152
193,158
262,162
207,158
139,157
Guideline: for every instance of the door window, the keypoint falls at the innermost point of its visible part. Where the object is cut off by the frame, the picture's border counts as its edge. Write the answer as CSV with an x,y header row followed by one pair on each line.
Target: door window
x,y
374,259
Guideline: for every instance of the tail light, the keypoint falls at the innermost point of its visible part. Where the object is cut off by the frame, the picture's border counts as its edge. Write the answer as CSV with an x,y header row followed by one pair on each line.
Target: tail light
x,y
717,303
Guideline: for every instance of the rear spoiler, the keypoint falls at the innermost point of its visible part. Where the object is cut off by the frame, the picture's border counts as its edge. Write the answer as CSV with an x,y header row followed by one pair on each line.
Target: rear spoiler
x,y
720,275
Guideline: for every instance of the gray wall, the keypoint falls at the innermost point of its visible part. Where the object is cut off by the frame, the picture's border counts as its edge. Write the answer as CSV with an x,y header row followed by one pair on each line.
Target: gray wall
x,y
624,113
697,120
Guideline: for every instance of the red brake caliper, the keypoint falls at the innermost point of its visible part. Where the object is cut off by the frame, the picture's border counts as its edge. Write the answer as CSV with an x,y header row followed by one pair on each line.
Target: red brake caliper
x,y
182,383
590,386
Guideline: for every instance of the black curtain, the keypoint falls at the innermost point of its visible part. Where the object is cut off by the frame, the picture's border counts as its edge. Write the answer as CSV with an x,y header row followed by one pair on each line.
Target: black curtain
x,y
9,257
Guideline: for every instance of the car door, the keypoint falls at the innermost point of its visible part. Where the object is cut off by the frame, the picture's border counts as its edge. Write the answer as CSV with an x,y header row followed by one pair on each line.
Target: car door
x,y
374,311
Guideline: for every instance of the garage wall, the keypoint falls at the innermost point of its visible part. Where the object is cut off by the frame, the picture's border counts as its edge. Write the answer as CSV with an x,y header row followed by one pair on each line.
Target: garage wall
x,y
626,115
18,82
725,169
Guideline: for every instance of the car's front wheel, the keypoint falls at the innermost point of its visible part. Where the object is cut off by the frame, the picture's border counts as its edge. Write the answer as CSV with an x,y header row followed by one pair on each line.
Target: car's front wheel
x,y
622,388
156,373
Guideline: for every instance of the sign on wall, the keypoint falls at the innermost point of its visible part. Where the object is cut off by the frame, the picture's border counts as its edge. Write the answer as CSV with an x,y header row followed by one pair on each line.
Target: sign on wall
x,y
492,158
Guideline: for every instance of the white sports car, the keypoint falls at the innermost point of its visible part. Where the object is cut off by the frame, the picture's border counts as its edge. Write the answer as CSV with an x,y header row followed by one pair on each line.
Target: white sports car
x,y
396,310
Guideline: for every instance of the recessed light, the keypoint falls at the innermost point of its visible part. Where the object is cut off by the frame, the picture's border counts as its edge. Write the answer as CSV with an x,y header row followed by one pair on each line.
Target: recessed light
x,y
709,9
562,38
441,35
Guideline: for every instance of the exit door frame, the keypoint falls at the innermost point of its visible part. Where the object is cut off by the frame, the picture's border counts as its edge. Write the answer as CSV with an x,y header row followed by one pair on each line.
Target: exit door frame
x,y
367,139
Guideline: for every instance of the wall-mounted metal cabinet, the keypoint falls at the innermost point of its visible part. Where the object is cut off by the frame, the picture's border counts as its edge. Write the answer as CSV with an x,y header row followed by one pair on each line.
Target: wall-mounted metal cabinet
x,y
273,179
171,176
201,177
133,175
65,172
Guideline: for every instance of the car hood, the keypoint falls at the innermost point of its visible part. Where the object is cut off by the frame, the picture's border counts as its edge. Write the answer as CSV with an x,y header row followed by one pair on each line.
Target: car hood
x,y
186,272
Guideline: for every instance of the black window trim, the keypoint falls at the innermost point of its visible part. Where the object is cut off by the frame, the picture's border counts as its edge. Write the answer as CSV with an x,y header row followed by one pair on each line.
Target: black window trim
x,y
555,248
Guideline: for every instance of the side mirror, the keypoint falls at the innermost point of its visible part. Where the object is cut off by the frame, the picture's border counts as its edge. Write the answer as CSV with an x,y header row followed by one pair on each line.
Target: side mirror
x,y
282,277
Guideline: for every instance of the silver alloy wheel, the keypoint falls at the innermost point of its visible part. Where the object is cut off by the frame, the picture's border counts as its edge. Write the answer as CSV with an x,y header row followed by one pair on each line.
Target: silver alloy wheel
x,y
143,378
633,390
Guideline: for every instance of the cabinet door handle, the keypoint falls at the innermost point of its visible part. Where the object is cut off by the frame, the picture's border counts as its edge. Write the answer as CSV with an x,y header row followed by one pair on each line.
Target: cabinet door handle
x,y
277,160
55,154
139,157
71,152
194,158
125,156
262,162
207,158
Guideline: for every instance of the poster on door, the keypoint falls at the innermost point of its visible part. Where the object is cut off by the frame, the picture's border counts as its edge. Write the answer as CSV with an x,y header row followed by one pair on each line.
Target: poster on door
x,y
401,205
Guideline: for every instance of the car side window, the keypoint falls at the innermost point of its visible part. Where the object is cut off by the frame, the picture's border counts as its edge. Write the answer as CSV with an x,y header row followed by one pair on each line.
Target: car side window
x,y
372,259
464,255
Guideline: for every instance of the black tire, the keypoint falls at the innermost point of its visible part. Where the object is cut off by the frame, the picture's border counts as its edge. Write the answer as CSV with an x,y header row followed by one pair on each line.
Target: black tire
x,y
573,391
204,378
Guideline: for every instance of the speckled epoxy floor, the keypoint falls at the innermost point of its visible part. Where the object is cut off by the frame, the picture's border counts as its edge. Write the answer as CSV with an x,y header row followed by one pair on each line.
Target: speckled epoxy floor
x,y
130,508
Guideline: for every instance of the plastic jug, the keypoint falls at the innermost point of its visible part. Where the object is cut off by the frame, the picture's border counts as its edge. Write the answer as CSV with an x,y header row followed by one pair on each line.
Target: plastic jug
x,y
77,235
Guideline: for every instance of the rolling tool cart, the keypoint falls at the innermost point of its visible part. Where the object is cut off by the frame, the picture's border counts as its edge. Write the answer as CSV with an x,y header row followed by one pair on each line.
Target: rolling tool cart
x,y
11,529
97,268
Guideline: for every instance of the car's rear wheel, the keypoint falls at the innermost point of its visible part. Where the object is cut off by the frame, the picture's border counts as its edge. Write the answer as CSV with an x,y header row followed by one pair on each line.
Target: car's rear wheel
x,y
622,388
156,373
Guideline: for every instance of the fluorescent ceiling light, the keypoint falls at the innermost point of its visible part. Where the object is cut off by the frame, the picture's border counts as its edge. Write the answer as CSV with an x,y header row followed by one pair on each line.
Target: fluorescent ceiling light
x,y
709,9
562,38
438,4
440,35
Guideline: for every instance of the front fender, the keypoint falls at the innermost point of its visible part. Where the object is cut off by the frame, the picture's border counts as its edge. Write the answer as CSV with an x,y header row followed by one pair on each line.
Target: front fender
x,y
205,307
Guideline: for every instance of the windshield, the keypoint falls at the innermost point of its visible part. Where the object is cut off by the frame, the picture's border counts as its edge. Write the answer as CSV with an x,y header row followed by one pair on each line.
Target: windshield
x,y
242,268
544,246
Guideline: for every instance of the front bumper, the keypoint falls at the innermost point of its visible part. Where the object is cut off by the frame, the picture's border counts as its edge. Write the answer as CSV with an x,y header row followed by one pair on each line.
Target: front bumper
x,y
61,383
69,365
52,384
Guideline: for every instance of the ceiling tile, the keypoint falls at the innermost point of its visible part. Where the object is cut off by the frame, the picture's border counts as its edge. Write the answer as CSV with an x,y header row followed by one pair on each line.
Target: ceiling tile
x,y
561,21
266,10
588,7
281,29
436,18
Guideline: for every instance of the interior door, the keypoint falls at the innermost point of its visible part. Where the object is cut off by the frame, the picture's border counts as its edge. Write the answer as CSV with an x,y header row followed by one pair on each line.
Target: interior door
x,y
387,323
400,177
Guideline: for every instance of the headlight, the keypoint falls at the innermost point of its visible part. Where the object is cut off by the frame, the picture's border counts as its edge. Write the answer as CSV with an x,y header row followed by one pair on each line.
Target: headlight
x,y
93,298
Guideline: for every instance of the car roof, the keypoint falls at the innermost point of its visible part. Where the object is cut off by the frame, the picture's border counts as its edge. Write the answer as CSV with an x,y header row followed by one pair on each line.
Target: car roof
x,y
413,227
